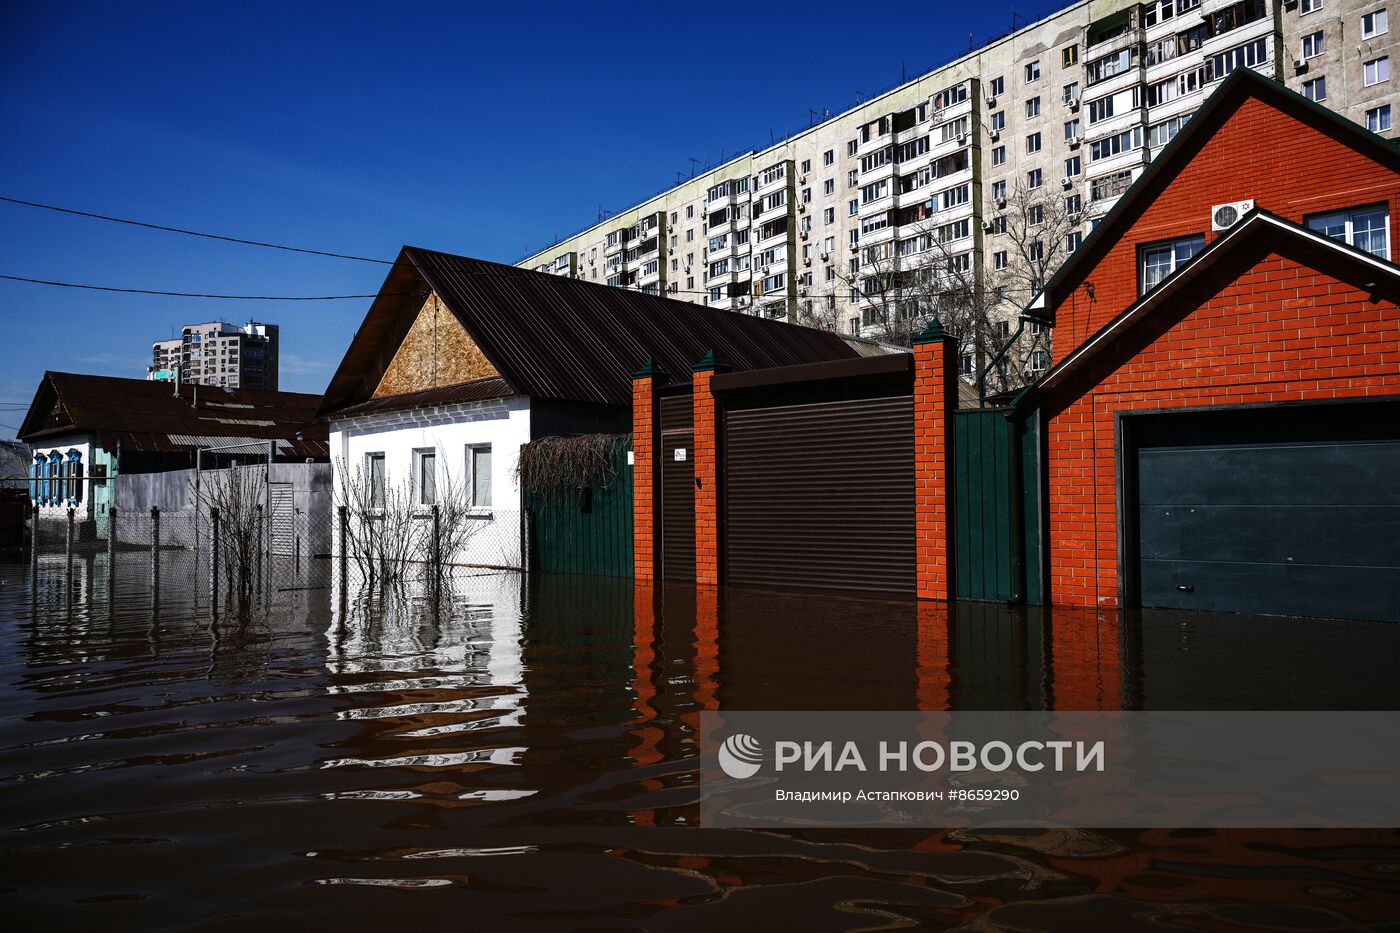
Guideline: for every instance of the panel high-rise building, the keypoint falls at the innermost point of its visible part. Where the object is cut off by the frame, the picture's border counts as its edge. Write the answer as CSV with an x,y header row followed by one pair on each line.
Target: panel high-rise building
x,y
235,356
989,170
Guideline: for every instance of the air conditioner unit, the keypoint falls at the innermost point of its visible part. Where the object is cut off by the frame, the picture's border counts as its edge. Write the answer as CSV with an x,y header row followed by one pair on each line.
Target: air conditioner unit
x,y
962,139
802,208
1225,216
993,135
1073,104
855,247
987,226
802,292
1300,64
805,234
1000,202
825,256
991,101
1074,142
1066,182
807,261
802,180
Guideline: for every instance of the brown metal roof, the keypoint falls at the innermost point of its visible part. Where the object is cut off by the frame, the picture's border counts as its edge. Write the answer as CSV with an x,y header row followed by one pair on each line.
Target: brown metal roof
x,y
475,391
150,416
552,337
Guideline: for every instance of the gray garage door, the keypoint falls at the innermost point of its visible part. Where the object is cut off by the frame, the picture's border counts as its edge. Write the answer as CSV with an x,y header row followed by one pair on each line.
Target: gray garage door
x,y
1290,511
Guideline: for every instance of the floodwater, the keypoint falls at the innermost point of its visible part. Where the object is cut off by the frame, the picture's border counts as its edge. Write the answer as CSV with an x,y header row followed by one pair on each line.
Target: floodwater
x,y
523,758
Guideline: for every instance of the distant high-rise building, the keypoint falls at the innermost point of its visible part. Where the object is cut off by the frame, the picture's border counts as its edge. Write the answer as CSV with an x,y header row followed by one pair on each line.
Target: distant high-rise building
x,y
235,356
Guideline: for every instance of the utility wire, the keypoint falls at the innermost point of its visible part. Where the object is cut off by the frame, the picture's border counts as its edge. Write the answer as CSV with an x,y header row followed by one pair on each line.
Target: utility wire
x,y
207,236
152,291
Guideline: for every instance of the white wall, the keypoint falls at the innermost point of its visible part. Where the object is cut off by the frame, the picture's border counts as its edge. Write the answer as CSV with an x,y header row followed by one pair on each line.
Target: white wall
x,y
449,430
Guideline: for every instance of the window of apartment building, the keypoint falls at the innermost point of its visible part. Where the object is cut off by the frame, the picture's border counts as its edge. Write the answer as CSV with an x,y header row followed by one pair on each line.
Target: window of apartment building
x,y
673,218
1116,144
999,190
852,178
675,265
1115,63
1069,56
1100,110
689,211
1035,178
1000,259
874,191
1314,43
374,476
425,475
1375,23
1110,185
1073,167
1366,228
999,155
479,475
852,147
1377,70
998,121
806,195
852,206
1159,260
1033,70
829,186
1035,215
1073,240
1072,129
1378,119
829,216
1308,6
1157,11
829,157
1071,93
1316,89
996,87
806,166
690,236
673,241
1033,107
1035,251
830,244
1074,203
1033,142
1159,134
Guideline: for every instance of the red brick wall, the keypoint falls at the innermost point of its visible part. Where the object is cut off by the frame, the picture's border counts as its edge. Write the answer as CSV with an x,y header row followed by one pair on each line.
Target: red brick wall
x,y
706,476
646,432
1290,168
1278,331
935,399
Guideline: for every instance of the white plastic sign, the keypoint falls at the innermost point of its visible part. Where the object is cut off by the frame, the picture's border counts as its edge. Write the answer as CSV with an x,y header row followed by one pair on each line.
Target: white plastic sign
x,y
680,454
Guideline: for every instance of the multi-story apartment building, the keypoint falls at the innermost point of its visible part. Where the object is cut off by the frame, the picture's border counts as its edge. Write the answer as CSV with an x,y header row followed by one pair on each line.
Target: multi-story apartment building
x,y
991,168
219,354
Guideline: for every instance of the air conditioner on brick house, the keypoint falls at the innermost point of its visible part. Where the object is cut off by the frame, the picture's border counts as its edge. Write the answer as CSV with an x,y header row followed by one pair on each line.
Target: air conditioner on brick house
x,y
1225,216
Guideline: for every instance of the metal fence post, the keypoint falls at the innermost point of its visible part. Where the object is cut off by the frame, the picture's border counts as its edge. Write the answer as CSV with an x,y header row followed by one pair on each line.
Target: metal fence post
x,y
214,557
155,547
344,537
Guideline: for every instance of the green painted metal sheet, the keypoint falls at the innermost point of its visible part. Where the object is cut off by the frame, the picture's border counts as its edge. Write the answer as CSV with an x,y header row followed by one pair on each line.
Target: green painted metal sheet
x,y
588,531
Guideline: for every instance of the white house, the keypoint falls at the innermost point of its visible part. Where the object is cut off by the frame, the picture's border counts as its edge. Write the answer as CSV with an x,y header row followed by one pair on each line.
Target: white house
x,y
460,362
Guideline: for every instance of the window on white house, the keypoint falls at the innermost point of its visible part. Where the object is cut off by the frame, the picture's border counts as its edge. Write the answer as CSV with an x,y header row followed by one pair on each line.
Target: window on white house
x,y
1378,119
1377,70
479,472
1366,228
374,475
425,475
1160,260
1375,23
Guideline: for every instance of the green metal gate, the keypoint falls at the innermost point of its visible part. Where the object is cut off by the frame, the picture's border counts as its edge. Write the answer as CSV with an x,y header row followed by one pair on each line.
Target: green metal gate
x,y
997,506
587,530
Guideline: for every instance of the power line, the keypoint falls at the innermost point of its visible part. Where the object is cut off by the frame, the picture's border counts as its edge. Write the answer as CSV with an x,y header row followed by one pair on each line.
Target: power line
x,y
152,291
207,236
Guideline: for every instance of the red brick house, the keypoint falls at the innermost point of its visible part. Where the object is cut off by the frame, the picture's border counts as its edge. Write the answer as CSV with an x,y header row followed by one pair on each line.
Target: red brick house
x,y
1223,431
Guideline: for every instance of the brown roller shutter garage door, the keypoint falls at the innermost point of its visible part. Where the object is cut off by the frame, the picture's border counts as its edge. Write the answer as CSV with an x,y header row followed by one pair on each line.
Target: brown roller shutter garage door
x,y
819,492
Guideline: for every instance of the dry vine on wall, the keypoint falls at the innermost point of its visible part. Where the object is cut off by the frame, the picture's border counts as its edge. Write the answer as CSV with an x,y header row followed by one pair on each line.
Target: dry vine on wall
x,y
553,467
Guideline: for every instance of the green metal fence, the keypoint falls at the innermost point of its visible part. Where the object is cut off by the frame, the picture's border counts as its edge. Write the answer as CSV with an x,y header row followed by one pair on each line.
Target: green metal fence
x,y
587,530
997,526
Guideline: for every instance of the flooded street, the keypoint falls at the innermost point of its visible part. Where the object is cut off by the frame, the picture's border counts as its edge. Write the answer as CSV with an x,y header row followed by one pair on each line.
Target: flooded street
x,y
522,757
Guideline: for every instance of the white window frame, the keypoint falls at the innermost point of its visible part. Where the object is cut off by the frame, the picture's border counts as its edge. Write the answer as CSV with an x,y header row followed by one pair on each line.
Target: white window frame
x,y
1318,83
1371,71
1348,217
1319,46
1374,116
470,473
1373,31
419,487
1176,259
382,488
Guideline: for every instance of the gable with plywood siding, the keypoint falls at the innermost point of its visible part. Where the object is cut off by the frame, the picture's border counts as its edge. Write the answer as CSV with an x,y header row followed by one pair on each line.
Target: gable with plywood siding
x,y
436,351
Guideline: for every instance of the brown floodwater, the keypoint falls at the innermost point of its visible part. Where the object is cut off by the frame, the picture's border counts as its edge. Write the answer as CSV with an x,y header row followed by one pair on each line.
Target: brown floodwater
x,y
521,756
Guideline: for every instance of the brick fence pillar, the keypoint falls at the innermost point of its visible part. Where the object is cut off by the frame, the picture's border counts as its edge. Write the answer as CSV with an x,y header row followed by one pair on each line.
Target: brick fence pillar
x,y
706,444
935,401
646,467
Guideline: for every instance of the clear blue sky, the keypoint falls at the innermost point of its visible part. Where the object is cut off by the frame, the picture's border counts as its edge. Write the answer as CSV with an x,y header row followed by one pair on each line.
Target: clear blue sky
x,y
358,127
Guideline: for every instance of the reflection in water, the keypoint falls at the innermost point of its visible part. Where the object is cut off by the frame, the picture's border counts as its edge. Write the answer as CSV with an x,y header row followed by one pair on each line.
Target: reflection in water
x,y
520,752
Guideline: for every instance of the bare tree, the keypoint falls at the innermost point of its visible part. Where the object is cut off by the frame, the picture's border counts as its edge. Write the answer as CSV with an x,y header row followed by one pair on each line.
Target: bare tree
x,y
238,493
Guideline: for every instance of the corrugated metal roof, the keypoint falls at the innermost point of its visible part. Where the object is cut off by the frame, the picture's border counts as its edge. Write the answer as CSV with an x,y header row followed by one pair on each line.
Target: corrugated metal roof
x,y
552,337
149,416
